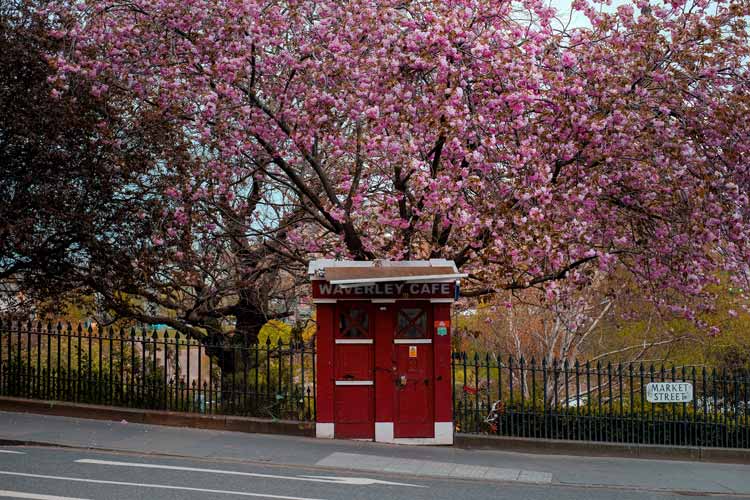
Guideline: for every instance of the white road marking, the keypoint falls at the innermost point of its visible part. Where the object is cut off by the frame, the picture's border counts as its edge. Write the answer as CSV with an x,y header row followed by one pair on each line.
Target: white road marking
x,y
356,481
35,496
156,486
13,452
362,481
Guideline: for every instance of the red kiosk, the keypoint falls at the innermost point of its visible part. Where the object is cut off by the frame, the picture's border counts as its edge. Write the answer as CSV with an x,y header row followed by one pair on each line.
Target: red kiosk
x,y
384,349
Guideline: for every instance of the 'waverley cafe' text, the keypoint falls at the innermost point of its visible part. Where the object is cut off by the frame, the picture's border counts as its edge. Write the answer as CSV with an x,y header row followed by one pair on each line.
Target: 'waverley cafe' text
x,y
326,290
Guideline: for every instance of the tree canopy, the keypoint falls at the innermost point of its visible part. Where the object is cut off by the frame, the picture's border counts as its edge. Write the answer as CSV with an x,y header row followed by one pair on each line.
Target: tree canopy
x,y
487,132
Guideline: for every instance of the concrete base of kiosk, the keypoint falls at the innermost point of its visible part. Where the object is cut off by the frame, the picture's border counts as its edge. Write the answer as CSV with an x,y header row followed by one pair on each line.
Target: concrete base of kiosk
x,y
443,434
384,434
324,430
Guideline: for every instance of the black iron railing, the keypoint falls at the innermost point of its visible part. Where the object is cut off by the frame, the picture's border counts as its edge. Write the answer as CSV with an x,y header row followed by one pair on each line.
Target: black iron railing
x,y
596,402
153,369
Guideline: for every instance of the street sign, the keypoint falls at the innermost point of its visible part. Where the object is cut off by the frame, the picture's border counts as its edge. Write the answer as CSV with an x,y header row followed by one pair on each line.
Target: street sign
x,y
669,392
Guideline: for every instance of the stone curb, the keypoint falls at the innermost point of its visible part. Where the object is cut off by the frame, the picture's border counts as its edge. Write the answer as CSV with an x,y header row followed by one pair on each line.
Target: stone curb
x,y
159,417
598,449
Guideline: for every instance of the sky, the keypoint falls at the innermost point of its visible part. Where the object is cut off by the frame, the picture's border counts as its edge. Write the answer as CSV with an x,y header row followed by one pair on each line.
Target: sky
x,y
578,19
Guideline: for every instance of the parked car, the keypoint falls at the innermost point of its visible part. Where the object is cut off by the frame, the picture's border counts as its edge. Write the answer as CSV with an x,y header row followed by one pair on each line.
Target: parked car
x,y
575,402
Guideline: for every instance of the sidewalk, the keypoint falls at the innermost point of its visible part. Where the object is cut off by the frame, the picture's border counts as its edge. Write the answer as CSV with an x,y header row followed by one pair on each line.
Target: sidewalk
x,y
445,462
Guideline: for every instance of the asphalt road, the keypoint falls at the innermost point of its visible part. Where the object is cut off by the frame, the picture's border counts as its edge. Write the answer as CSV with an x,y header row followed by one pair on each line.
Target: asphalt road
x,y
61,474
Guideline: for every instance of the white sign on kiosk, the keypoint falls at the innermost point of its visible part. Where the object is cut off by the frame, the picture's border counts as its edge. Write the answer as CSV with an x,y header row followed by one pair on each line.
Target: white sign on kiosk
x,y
669,392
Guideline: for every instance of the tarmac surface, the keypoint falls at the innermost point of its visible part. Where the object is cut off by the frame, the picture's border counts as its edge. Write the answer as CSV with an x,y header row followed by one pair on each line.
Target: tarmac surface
x,y
92,459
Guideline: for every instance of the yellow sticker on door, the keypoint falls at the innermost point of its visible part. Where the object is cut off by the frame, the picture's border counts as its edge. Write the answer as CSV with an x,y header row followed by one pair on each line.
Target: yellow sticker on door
x,y
412,351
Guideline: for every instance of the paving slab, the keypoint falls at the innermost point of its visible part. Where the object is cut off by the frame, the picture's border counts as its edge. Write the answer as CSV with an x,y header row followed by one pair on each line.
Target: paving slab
x,y
497,474
372,463
531,476
401,466
469,471
437,468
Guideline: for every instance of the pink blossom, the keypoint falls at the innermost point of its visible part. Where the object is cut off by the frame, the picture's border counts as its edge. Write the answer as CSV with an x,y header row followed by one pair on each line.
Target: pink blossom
x,y
511,144
569,59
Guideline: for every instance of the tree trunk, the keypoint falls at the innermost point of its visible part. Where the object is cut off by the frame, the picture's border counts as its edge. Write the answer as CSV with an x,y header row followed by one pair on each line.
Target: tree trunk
x,y
228,351
249,320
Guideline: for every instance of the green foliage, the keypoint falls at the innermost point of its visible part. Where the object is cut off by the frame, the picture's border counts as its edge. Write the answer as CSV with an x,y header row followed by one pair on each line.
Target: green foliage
x,y
275,330
723,343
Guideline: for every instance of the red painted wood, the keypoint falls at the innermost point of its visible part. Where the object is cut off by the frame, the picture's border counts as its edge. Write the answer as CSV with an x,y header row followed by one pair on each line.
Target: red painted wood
x,y
414,401
354,406
324,345
385,362
353,362
413,408
354,412
443,395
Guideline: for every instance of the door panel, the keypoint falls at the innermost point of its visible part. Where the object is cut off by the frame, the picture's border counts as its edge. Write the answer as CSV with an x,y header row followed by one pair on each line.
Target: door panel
x,y
354,411
414,396
354,362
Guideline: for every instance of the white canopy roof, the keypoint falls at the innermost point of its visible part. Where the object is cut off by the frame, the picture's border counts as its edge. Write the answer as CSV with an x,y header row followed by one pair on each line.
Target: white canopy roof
x,y
355,273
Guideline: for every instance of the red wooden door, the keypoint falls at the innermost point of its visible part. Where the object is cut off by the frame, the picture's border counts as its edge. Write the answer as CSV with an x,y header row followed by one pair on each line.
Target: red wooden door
x,y
414,404
354,401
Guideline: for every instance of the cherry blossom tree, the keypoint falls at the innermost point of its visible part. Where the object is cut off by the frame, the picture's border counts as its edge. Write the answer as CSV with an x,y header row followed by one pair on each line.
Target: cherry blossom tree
x,y
86,199
63,208
482,131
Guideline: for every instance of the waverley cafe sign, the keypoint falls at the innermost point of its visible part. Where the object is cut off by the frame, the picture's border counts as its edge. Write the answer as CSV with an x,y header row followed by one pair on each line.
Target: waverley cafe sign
x,y
324,289
669,392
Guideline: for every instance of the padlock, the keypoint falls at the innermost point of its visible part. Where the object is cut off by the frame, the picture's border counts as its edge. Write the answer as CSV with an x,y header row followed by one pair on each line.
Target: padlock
x,y
402,381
